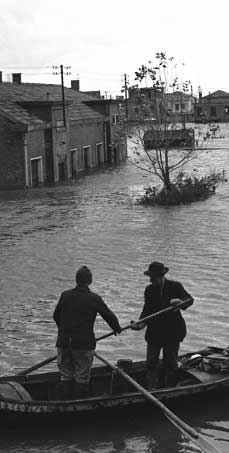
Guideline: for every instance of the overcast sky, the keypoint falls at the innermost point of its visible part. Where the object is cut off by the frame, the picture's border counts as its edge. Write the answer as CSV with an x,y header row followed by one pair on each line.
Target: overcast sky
x,y
103,39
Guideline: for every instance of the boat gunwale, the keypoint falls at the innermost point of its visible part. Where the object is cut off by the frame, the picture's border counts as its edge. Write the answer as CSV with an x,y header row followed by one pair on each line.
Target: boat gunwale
x,y
94,402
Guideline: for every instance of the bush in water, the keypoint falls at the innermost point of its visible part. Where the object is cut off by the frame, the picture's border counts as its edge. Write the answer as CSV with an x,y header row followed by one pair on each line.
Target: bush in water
x,y
185,189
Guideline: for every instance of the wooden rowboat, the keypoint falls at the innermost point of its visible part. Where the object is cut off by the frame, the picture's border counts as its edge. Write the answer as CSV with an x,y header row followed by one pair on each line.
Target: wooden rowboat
x,y
33,396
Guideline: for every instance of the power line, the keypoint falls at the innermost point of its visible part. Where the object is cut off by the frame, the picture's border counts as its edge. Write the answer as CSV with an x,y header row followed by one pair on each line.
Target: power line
x,y
31,73
25,67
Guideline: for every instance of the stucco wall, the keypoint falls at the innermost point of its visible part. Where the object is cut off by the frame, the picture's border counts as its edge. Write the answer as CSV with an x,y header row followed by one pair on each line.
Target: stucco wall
x,y
36,149
83,139
60,137
12,168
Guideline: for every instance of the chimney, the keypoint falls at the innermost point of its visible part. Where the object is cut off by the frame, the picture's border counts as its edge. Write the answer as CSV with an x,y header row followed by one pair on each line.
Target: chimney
x,y
200,95
75,84
16,77
0,76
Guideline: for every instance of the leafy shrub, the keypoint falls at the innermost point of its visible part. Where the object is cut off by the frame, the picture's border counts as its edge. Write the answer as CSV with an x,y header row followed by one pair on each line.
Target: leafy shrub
x,y
185,189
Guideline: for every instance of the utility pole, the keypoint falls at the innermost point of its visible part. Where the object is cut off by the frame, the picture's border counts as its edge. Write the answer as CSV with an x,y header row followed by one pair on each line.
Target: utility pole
x,y
126,92
62,87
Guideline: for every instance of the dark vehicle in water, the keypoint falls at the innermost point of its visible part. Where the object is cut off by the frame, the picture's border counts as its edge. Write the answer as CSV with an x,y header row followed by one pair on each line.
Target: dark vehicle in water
x,y
170,139
33,397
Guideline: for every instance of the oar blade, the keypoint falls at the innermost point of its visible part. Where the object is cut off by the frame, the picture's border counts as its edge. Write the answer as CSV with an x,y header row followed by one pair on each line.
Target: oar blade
x,y
199,440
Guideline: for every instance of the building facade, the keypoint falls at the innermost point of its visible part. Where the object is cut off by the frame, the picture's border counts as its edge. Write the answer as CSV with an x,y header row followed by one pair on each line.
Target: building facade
x,y
144,104
45,138
212,108
114,111
181,105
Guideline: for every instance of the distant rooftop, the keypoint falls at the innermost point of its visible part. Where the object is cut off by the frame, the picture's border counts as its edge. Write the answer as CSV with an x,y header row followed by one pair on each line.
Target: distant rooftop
x,y
216,94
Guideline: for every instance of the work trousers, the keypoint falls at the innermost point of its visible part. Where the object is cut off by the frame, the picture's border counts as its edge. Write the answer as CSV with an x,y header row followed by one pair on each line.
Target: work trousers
x,y
75,364
170,354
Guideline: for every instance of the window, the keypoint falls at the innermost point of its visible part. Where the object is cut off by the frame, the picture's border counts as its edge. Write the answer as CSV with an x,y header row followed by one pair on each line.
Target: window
x,y
115,118
213,111
177,107
60,126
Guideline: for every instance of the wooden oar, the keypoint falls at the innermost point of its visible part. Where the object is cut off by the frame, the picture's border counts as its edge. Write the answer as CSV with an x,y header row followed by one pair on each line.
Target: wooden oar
x,y
128,326
187,430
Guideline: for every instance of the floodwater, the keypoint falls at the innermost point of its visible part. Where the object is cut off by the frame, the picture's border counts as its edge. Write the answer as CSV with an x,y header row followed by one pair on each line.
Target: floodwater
x,y
47,233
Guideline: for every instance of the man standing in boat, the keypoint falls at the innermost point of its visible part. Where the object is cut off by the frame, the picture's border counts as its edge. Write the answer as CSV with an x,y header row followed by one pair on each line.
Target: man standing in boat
x,y
75,316
167,330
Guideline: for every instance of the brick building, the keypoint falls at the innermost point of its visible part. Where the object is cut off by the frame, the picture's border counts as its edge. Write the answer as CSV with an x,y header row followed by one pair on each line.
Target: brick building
x,y
45,140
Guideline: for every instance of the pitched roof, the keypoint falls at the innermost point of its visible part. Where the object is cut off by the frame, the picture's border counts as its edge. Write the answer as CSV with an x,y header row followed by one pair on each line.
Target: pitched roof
x,y
216,94
17,114
37,92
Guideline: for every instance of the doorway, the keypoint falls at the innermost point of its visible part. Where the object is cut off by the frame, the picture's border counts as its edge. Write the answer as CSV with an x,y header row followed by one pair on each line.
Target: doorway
x,y
36,171
86,156
61,171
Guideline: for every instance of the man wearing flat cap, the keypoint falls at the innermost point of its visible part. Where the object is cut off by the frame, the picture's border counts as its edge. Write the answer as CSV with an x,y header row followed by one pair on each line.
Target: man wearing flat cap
x,y
166,331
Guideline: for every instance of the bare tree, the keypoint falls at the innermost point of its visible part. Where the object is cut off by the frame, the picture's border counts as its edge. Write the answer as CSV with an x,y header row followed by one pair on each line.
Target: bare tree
x,y
163,144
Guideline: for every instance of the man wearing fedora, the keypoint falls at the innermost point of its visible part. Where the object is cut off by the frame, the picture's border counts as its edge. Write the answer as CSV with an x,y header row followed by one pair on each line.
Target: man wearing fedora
x,y
166,331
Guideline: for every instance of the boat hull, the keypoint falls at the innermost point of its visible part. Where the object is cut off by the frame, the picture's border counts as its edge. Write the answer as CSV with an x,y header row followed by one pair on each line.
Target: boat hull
x,y
204,384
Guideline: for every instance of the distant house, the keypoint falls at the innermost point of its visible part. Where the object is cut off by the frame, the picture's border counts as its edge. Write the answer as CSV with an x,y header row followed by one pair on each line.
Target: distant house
x,y
144,104
150,103
181,105
45,138
212,108
115,129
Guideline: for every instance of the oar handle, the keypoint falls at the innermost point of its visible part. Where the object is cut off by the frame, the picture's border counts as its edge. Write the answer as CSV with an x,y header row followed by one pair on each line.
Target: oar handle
x,y
147,318
158,313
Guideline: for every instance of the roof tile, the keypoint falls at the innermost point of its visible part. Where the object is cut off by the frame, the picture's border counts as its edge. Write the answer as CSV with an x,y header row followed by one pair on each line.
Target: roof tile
x,y
12,93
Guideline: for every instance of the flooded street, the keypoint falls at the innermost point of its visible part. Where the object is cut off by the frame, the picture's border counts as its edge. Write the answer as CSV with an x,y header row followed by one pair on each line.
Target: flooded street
x,y
46,234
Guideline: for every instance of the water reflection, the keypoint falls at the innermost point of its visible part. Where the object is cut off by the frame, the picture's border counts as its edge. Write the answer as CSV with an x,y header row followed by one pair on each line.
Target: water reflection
x,y
132,434
144,432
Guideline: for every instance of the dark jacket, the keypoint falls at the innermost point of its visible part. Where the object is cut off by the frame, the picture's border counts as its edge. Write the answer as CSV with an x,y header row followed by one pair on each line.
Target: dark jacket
x,y
170,326
75,316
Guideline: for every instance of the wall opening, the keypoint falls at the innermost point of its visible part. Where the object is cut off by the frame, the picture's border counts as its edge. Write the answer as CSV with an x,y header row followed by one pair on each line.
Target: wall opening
x,y
86,157
99,153
61,171
73,162
36,171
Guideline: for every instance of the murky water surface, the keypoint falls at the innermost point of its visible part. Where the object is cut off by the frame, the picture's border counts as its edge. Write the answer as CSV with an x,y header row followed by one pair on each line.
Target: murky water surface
x,y
46,234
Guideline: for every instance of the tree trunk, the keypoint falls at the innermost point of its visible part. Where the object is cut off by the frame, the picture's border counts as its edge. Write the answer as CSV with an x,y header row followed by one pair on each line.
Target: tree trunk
x,y
167,181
